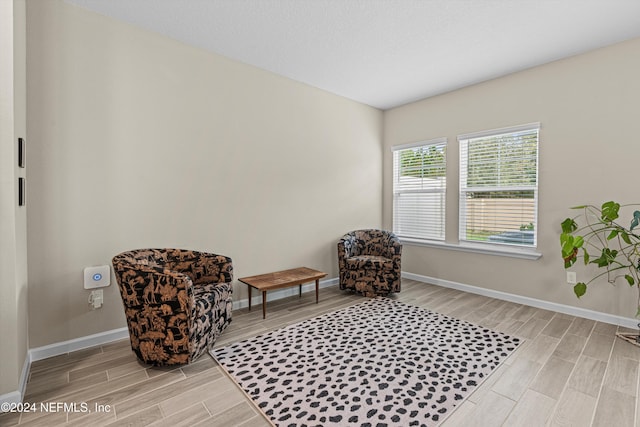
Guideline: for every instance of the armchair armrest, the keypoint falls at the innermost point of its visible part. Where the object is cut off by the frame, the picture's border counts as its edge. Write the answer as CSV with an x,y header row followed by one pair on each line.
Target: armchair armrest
x,y
211,268
393,249
347,246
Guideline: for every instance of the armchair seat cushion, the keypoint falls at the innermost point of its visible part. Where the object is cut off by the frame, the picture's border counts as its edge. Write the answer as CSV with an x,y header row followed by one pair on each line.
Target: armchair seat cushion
x,y
368,261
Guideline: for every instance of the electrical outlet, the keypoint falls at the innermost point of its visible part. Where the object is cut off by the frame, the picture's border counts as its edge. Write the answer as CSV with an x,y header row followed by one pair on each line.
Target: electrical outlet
x,y
571,277
95,299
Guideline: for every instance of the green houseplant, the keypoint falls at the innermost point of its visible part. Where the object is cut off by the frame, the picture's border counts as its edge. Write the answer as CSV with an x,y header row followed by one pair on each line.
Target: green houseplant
x,y
597,237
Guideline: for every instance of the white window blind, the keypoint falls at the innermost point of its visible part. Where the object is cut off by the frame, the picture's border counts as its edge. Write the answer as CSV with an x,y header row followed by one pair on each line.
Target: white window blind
x,y
419,184
499,186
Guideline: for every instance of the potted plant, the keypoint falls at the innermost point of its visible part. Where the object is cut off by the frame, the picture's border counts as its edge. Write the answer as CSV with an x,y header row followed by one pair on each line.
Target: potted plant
x,y
600,240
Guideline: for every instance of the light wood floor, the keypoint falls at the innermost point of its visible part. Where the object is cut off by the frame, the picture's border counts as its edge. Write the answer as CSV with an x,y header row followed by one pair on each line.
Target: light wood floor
x,y
569,372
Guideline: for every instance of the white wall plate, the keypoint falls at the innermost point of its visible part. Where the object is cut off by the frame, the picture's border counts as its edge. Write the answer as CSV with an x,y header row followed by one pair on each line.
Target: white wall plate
x,y
97,277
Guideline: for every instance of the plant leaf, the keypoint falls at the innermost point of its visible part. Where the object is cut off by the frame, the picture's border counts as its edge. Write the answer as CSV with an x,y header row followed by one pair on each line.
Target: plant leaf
x,y
578,241
569,226
570,244
630,280
569,261
610,211
571,258
580,289
635,221
613,234
606,257
569,251
586,257
625,237
566,242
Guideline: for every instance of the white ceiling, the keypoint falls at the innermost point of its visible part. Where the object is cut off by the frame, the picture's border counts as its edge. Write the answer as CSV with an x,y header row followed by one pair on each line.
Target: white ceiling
x,y
385,53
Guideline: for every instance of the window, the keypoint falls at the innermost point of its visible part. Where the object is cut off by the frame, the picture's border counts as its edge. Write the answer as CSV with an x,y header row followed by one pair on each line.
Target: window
x,y
419,184
499,186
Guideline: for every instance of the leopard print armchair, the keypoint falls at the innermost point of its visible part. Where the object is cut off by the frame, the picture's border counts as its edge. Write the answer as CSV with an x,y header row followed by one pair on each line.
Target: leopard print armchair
x,y
369,262
176,301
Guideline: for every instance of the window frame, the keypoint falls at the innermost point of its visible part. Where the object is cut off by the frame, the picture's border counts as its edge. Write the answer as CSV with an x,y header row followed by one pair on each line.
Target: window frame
x,y
396,150
465,189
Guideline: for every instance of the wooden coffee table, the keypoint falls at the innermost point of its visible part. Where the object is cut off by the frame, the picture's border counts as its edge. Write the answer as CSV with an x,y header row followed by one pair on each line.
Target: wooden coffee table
x,y
282,279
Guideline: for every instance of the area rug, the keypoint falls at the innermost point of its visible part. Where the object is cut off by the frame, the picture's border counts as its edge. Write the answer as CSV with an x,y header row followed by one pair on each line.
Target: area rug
x,y
377,363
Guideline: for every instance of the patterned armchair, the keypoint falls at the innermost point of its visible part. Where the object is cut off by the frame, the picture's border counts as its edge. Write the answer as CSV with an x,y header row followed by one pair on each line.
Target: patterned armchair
x,y
369,262
176,301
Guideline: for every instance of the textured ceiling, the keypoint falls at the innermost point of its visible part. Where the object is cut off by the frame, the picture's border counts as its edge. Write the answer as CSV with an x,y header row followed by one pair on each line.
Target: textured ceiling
x,y
385,53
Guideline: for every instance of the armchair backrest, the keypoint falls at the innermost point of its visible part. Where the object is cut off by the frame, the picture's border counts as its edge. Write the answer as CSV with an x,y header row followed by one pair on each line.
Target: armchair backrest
x,y
152,258
198,266
371,242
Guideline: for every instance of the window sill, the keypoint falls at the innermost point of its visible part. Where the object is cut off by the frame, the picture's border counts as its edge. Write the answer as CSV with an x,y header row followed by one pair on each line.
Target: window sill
x,y
477,248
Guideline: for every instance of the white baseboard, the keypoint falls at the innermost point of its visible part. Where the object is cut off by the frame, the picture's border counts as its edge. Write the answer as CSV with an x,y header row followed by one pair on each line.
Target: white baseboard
x,y
13,397
57,349
17,396
64,347
533,302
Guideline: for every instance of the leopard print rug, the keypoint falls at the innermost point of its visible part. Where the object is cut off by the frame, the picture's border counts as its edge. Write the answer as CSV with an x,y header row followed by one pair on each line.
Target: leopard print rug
x,y
377,363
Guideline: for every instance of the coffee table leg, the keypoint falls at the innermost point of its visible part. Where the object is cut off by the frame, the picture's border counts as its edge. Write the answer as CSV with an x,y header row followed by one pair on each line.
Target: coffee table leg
x,y
264,304
299,291
249,297
317,285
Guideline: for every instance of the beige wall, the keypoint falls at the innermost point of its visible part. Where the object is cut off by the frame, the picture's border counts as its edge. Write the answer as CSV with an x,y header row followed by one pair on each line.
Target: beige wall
x,y
140,141
588,109
13,253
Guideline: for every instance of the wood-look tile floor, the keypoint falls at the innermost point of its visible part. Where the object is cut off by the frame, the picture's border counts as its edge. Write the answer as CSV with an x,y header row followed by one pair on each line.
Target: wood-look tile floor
x,y
569,372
